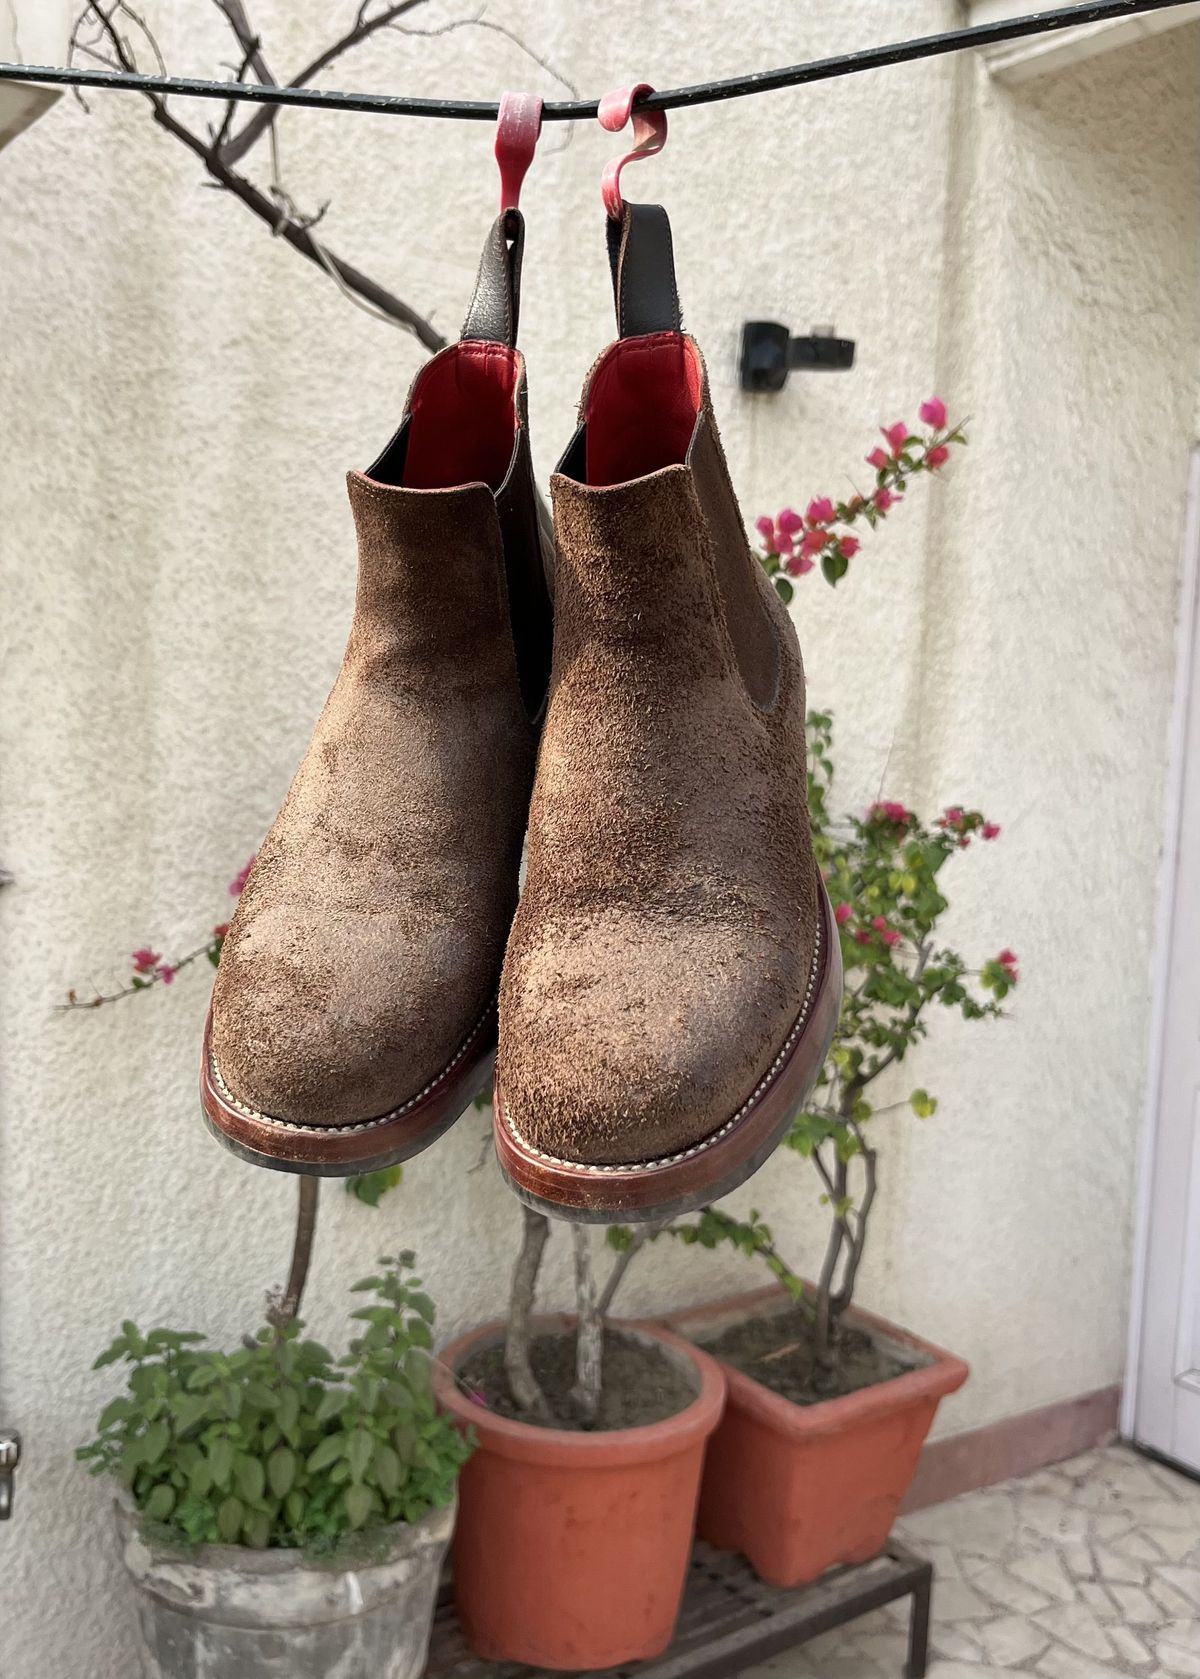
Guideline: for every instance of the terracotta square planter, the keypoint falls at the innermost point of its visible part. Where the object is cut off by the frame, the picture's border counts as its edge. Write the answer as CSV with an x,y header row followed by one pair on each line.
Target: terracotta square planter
x,y
799,1489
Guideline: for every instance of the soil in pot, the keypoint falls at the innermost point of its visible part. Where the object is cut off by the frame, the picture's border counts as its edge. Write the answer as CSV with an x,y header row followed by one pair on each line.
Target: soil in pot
x,y
777,1350
642,1383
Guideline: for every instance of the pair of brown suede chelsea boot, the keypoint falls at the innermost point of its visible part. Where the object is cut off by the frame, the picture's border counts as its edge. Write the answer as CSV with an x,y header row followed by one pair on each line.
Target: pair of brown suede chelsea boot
x,y
661,999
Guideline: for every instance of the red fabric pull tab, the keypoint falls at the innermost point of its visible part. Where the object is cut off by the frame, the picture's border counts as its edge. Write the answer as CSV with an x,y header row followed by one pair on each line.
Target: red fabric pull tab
x,y
649,136
517,130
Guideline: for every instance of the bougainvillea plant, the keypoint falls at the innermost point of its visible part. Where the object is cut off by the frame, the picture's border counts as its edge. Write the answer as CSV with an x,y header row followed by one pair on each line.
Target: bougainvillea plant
x,y
825,534
884,871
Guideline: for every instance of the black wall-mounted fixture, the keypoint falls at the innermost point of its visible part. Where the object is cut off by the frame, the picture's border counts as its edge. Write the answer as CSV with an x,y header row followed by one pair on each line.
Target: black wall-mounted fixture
x,y
769,353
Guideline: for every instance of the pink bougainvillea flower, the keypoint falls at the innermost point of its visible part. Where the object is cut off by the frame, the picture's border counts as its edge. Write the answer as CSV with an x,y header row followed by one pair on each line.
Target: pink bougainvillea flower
x,y
166,972
145,959
790,521
879,459
951,817
814,543
849,546
799,565
765,526
783,543
990,830
890,810
896,435
1008,961
842,914
937,457
238,884
879,922
933,413
890,937
862,936
220,930
885,498
820,511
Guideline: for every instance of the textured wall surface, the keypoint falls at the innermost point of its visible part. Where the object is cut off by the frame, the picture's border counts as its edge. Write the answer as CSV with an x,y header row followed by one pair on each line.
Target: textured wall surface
x,y
181,396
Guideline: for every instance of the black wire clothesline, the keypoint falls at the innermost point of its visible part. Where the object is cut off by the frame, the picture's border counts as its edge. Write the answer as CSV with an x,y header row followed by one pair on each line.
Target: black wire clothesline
x,y
569,110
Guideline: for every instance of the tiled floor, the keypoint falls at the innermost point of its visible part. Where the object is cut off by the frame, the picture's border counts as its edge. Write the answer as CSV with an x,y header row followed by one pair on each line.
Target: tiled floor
x,y
1079,1572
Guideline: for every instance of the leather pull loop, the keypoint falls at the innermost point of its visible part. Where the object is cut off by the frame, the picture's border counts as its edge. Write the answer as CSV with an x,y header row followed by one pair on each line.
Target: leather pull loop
x,y
642,259
496,306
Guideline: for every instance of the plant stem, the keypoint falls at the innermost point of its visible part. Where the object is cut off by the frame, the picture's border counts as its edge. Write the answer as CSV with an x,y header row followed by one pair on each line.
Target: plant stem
x,y
643,1234
283,1311
589,1335
521,1379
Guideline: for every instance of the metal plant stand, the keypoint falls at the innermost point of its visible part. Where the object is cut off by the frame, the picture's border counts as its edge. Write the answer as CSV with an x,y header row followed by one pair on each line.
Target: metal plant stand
x,y
730,1619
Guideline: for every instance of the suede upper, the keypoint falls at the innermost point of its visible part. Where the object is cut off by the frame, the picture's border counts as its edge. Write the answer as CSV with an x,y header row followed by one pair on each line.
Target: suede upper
x,y
664,941
368,941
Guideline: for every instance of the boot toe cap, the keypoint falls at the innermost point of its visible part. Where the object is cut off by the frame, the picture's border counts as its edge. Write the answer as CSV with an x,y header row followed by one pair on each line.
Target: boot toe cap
x,y
332,1032
624,1042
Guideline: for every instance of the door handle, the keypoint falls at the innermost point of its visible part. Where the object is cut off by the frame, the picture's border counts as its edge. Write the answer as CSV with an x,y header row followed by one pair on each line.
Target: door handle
x,y
10,1456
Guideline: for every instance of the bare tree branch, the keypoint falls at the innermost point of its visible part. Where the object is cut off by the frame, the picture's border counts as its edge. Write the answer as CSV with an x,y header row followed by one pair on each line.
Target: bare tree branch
x,y
364,27
521,1379
643,1234
293,231
584,1397
282,1311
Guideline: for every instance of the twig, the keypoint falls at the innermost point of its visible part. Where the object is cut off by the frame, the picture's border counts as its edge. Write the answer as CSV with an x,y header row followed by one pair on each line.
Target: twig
x,y
362,30
147,982
525,1387
259,203
584,1397
643,1234
281,1311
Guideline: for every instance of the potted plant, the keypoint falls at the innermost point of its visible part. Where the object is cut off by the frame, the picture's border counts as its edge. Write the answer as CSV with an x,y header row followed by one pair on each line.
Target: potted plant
x,y
282,1511
828,1406
577,1510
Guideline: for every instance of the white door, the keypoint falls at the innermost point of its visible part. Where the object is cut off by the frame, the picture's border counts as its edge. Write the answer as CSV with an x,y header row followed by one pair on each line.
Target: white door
x,y
1166,1393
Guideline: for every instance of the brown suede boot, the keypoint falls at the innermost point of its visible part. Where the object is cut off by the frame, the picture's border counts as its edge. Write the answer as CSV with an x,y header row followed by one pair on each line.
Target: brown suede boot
x,y
354,1012
673,977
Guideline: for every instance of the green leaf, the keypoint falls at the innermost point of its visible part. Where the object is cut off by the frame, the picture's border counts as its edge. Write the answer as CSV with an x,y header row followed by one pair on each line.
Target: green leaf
x,y
155,1442
220,1461
371,1187
281,1471
257,1529
333,1400
117,1410
923,1104
834,566
250,1479
359,1453
784,589
160,1503
229,1520
358,1504
388,1468
330,1449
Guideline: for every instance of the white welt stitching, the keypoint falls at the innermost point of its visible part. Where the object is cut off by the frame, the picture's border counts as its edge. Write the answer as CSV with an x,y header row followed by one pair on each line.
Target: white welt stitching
x,y
363,1125
707,1142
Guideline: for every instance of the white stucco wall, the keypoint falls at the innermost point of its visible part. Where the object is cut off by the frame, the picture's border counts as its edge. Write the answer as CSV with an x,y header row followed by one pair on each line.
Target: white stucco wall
x,y
181,397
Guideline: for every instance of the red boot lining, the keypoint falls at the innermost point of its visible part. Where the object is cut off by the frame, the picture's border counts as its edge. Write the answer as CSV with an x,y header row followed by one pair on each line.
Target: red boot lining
x,y
463,418
642,407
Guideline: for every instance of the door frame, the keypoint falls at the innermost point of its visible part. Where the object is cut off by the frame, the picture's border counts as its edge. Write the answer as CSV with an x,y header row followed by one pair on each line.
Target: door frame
x,y
1187,672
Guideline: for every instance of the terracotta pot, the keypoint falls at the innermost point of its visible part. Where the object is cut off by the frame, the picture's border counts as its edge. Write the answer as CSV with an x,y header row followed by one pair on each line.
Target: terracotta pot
x,y
798,1489
571,1549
